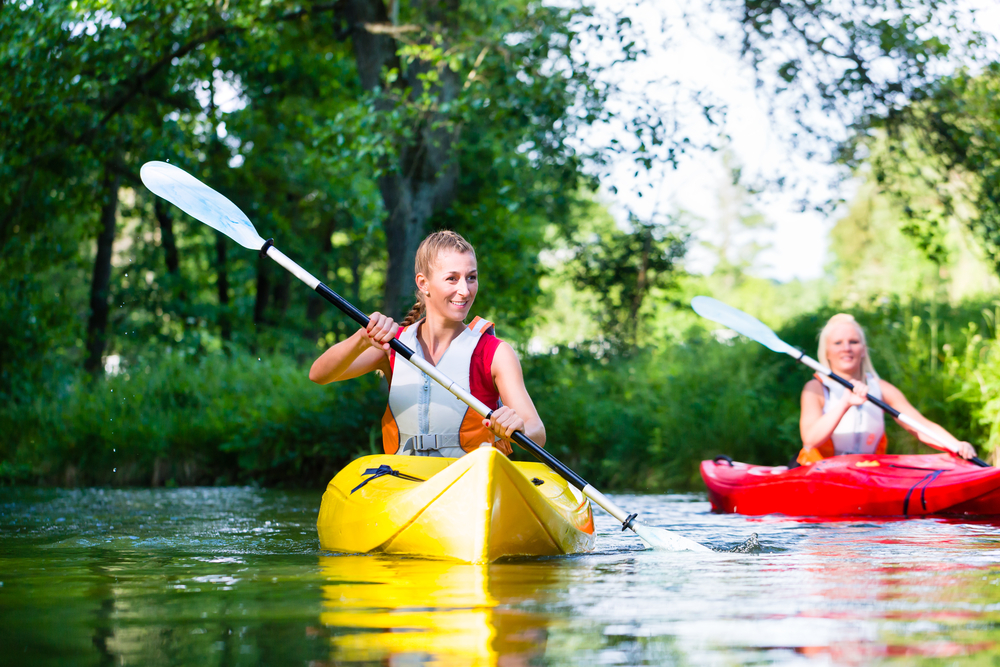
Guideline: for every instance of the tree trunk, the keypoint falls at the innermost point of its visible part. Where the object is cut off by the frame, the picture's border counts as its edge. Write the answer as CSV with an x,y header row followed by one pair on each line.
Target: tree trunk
x,y
283,292
97,325
263,291
425,178
222,283
640,286
167,238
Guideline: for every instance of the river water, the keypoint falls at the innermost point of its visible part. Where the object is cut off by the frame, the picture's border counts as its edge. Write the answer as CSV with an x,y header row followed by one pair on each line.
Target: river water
x,y
235,576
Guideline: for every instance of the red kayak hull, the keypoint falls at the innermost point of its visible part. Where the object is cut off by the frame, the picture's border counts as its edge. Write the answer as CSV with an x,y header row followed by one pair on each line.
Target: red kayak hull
x,y
856,485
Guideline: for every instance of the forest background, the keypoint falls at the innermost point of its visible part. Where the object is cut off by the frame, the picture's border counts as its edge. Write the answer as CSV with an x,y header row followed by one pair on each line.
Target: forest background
x,y
139,347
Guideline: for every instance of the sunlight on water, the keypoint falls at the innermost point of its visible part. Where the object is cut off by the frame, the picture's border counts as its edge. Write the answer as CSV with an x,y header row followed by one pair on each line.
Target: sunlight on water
x,y
235,576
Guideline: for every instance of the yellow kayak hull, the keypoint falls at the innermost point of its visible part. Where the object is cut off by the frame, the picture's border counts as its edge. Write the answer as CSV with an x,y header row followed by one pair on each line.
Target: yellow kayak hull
x,y
475,509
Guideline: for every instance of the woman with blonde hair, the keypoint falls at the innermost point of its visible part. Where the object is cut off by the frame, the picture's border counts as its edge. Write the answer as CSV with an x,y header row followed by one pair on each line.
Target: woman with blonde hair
x,y
836,421
423,418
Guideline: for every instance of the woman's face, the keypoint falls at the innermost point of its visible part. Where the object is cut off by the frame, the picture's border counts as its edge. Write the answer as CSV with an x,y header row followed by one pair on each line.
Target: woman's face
x,y
452,285
844,349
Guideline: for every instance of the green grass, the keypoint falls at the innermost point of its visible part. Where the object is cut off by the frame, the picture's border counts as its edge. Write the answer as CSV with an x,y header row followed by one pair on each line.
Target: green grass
x,y
639,421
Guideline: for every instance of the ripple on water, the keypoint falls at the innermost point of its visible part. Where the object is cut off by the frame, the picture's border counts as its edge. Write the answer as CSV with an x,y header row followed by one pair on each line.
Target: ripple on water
x,y
188,576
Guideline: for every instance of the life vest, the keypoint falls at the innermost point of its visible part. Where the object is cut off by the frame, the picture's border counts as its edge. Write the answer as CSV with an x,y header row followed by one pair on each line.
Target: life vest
x,y
423,418
860,431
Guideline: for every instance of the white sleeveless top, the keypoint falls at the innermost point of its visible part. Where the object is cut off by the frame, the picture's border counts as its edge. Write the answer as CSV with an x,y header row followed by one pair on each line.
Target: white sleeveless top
x,y
862,426
429,416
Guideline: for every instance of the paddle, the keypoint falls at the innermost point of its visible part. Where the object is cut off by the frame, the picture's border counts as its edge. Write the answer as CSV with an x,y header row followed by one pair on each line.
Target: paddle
x,y
751,327
205,204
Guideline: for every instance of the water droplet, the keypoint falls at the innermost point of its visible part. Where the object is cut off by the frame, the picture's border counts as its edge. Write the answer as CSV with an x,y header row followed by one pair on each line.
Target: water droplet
x,y
115,470
126,273
258,358
114,450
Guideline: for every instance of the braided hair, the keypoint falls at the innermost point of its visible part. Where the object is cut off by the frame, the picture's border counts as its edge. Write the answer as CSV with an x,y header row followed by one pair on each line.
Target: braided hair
x,y
427,255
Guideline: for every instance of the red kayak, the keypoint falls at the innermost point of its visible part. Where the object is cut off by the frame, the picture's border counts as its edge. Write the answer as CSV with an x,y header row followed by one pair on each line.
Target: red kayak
x,y
855,485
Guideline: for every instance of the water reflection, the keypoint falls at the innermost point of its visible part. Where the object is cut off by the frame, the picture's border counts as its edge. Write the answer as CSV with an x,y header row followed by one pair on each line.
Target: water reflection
x,y
235,577
882,590
399,611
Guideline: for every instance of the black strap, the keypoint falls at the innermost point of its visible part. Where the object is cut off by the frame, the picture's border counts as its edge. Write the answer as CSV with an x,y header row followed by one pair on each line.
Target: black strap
x,y
723,457
382,471
929,478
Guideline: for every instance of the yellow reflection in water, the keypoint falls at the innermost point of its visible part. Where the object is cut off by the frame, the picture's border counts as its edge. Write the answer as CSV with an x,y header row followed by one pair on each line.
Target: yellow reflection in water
x,y
433,612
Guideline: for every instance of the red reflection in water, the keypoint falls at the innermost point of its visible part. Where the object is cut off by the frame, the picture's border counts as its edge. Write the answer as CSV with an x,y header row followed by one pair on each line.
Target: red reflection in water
x,y
860,653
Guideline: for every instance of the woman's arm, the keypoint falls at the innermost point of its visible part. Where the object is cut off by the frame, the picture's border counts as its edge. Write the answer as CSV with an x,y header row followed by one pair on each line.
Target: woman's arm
x,y
815,426
894,397
366,351
518,412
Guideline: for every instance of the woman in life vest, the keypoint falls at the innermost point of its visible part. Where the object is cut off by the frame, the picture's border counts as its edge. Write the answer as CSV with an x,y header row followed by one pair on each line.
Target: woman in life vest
x,y
836,421
422,417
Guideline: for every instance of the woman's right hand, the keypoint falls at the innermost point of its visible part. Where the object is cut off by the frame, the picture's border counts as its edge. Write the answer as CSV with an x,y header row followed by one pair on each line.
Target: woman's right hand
x,y
380,331
856,396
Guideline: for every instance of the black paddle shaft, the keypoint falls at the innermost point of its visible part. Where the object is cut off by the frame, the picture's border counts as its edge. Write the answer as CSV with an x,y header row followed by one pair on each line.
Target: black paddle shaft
x,y
893,411
519,437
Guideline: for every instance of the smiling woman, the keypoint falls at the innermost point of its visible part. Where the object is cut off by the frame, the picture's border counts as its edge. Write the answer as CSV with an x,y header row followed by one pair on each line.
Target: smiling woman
x,y
836,421
422,417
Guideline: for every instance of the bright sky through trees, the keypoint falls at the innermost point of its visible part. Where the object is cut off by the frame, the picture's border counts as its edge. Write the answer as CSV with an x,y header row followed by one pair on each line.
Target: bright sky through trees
x,y
689,54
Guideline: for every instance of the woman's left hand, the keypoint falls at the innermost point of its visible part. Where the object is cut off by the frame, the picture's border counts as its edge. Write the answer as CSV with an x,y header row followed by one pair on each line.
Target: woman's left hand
x,y
965,450
504,422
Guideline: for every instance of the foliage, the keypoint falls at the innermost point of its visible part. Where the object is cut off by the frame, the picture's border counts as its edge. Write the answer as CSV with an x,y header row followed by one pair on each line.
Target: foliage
x,y
621,268
837,64
875,257
177,420
328,128
939,159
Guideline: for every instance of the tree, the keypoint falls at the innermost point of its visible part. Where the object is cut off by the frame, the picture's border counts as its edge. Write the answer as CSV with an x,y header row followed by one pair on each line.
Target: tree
x,y
938,157
621,267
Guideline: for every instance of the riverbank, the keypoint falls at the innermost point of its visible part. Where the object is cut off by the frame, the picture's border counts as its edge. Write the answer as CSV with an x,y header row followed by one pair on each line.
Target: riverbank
x,y
629,420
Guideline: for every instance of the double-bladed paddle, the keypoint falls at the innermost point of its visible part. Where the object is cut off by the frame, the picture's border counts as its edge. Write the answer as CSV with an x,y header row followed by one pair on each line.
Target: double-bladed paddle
x,y
205,204
751,327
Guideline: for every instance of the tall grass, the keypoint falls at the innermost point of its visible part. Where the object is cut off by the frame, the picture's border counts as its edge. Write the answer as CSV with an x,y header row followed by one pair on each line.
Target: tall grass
x,y
639,421
179,420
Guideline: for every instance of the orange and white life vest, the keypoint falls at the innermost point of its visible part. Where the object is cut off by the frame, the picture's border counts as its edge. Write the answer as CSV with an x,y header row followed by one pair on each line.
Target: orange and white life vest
x,y
423,418
860,431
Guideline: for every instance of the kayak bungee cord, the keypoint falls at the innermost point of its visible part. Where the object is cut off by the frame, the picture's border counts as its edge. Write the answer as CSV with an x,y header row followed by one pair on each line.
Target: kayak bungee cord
x,y
751,327
215,210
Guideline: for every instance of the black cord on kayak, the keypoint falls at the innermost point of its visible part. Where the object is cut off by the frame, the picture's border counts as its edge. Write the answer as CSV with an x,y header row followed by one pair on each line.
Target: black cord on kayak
x,y
382,471
627,523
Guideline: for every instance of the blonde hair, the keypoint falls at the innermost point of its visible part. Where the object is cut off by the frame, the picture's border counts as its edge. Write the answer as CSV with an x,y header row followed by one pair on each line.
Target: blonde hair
x,y
844,318
427,254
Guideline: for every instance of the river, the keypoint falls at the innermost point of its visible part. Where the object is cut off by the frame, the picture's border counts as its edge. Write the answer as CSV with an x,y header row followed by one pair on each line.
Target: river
x,y
235,576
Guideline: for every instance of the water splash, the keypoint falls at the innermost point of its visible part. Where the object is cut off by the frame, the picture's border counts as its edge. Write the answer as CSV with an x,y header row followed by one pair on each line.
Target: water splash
x,y
750,546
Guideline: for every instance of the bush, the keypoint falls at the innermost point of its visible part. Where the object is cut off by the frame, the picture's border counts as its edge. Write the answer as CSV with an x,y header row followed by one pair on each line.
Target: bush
x,y
212,419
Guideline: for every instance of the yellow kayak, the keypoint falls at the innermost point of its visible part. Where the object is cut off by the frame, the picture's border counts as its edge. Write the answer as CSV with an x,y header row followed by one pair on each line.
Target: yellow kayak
x,y
476,509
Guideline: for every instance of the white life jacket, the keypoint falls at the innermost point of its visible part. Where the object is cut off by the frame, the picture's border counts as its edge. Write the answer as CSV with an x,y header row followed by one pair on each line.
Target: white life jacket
x,y
862,428
425,419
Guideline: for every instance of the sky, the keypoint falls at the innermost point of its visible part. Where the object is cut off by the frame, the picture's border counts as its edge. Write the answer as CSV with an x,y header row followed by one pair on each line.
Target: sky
x,y
798,243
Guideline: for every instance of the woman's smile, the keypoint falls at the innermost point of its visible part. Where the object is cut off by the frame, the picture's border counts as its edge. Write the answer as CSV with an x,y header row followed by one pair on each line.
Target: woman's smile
x,y
451,288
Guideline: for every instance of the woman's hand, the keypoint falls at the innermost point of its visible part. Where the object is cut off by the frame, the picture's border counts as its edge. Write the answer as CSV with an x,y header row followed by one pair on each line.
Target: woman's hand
x,y
856,396
963,449
380,331
504,422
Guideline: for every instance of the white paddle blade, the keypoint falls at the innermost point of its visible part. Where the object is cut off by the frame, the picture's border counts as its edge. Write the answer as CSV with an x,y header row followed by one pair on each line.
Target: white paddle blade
x,y
200,202
740,322
659,538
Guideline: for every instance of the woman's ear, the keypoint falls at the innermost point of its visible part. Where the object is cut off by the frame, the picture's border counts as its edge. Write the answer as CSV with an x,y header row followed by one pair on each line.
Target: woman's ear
x,y
421,281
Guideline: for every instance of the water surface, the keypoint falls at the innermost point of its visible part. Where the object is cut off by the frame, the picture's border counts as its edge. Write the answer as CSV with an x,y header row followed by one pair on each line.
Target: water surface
x,y
235,576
